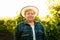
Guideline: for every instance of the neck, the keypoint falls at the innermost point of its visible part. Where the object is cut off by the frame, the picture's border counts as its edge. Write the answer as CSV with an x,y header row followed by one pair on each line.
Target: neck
x,y
31,22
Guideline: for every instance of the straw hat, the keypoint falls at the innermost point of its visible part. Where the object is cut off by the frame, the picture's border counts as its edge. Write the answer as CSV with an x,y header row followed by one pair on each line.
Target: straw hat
x,y
29,7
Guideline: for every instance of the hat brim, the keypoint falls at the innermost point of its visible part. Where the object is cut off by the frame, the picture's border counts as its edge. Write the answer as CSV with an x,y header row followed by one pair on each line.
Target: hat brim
x,y
29,7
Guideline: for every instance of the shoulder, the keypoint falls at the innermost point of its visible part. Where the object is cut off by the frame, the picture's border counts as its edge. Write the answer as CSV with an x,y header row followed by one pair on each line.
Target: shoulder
x,y
40,24
20,24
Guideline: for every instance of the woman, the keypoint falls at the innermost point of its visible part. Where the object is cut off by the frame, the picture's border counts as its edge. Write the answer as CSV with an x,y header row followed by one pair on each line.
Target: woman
x,y
30,29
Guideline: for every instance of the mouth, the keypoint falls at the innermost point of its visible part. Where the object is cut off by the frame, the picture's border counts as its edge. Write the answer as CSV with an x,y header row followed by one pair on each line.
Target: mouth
x,y
30,17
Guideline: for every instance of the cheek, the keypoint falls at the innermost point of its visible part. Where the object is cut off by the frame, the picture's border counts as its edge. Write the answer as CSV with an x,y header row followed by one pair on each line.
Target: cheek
x,y
26,17
29,16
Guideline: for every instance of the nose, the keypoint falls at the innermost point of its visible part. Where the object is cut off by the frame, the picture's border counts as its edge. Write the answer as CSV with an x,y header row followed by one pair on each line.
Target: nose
x,y
30,14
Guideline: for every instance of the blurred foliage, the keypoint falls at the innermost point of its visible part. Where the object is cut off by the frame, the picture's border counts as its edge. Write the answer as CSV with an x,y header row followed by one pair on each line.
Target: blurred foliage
x,y
51,24
2,26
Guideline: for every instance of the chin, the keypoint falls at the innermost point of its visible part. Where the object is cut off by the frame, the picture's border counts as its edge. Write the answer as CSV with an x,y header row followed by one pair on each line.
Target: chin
x,y
30,19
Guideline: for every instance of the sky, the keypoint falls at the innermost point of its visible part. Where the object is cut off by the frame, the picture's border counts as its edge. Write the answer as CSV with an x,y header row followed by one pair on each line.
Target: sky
x,y
9,8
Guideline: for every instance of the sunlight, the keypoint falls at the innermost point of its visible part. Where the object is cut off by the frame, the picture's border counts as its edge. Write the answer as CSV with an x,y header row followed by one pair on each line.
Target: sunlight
x,y
8,8
40,4
43,8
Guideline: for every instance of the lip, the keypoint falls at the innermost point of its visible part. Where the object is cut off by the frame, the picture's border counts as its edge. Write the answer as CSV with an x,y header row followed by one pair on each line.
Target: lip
x,y
30,17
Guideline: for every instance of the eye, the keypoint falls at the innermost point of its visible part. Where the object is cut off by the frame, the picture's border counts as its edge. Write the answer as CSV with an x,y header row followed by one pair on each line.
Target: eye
x,y
28,13
32,13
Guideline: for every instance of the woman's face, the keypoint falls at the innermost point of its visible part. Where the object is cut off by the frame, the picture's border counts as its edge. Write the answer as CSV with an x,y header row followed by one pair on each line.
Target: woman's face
x,y
30,15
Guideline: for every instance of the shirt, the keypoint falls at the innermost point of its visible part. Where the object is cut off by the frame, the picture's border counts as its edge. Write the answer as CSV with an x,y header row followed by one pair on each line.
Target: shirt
x,y
33,30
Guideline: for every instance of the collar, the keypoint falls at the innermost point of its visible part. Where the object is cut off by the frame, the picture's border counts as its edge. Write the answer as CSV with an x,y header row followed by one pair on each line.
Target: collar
x,y
35,22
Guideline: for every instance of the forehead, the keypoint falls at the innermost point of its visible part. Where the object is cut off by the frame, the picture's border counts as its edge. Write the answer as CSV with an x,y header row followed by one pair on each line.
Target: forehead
x,y
29,10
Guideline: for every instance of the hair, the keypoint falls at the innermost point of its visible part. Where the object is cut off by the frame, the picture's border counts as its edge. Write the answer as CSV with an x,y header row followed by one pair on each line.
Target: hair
x,y
29,10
